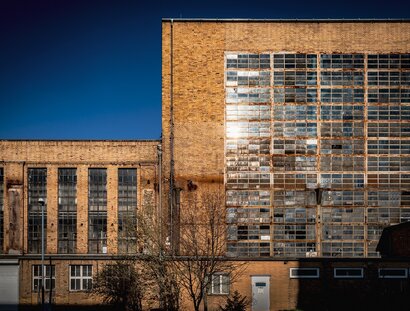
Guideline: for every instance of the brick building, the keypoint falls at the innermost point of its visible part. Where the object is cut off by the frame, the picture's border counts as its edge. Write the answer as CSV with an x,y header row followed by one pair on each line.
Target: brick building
x,y
304,127
91,189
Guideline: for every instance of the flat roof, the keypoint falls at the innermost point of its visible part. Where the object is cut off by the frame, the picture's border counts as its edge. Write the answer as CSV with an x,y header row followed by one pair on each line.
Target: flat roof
x,y
293,20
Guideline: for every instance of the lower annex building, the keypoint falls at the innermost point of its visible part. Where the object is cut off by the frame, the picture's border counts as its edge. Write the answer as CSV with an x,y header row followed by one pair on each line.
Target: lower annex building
x,y
302,124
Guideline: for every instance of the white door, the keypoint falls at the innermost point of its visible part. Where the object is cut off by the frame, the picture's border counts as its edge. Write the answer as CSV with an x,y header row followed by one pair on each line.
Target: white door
x,y
9,287
260,293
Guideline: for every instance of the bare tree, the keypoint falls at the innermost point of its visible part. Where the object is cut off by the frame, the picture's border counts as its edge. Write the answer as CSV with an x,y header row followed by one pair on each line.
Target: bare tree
x,y
120,284
158,267
145,276
203,245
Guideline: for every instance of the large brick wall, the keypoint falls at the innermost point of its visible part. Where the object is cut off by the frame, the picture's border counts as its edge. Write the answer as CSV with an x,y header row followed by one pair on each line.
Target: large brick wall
x,y
193,82
17,156
193,68
198,75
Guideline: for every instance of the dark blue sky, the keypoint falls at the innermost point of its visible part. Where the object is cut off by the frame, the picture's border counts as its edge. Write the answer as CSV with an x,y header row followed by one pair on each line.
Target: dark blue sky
x,y
91,69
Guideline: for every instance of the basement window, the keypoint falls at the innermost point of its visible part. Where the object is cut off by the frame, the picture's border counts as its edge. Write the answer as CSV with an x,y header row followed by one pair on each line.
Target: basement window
x,y
304,273
348,273
392,273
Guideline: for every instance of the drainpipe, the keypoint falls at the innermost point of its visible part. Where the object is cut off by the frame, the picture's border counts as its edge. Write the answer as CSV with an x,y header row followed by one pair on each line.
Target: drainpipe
x,y
159,212
171,138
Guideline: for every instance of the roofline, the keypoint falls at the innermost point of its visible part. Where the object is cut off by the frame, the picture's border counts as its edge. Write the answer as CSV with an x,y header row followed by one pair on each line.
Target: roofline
x,y
287,20
358,260
81,140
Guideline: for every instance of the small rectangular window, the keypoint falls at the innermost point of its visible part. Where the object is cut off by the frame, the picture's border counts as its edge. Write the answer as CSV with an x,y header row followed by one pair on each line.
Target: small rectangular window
x,y
49,277
304,273
392,273
348,273
81,277
219,284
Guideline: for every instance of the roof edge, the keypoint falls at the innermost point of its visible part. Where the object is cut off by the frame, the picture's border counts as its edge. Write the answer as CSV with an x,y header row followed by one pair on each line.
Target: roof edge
x,y
296,20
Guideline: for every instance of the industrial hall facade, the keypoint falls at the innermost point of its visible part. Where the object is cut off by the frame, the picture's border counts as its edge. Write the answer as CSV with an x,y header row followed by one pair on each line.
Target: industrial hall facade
x,y
302,125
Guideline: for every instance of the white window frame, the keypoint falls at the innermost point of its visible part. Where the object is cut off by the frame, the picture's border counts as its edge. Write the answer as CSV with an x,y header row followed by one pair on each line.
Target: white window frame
x,y
37,278
213,290
361,276
81,277
393,276
295,276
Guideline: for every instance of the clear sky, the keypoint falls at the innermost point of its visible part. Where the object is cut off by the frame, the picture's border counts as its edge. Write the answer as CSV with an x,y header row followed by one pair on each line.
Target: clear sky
x,y
91,69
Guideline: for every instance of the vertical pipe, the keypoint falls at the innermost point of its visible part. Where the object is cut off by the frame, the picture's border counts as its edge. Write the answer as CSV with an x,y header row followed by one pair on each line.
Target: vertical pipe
x,y
41,201
23,243
159,213
171,137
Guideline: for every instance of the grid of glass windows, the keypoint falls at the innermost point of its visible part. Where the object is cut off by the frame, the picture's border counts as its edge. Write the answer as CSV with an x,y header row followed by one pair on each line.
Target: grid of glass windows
x,y
388,61
342,129
67,210
341,112
342,181
342,249
295,146
342,61
81,277
388,78
1,209
97,210
127,210
295,129
248,232
389,113
294,224
294,198
328,131
49,273
388,181
248,215
244,60
37,190
341,146
391,129
247,198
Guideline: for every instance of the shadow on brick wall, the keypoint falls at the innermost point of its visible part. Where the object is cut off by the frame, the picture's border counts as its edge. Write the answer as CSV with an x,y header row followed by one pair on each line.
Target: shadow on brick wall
x,y
367,293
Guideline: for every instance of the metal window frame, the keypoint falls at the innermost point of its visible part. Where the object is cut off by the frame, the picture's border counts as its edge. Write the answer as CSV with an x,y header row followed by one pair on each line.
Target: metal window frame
x,y
38,277
36,189
81,278
221,276
393,276
361,276
292,276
